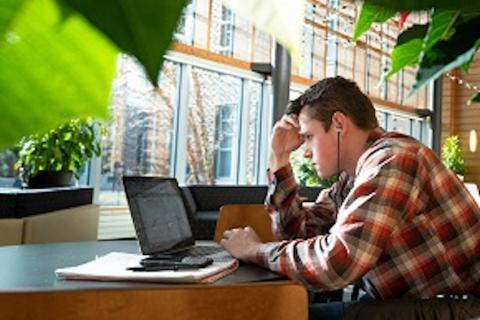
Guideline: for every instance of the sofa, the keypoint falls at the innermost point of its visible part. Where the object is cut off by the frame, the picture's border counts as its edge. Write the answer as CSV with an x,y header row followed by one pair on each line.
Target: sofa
x,y
47,215
204,202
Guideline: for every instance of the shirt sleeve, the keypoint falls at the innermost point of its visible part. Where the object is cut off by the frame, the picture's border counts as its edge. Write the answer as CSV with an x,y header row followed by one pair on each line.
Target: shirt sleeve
x,y
290,219
382,189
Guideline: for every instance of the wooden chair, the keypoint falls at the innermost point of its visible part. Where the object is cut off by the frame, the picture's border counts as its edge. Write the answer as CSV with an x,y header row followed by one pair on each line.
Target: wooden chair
x,y
256,216
243,215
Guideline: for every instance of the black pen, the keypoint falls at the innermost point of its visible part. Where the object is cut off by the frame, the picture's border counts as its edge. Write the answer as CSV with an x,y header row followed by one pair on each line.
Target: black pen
x,y
164,267
154,268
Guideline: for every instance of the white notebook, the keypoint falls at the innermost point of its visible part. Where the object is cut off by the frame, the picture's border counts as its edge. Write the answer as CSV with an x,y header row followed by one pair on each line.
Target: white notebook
x,y
113,267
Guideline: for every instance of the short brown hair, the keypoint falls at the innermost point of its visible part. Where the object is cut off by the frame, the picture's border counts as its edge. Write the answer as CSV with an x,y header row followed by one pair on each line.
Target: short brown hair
x,y
334,94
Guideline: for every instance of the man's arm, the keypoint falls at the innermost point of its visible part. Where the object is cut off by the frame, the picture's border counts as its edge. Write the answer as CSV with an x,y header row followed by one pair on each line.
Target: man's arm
x,y
290,220
364,224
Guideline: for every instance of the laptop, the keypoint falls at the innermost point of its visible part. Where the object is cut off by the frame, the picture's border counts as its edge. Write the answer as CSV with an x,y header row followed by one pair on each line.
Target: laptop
x,y
161,221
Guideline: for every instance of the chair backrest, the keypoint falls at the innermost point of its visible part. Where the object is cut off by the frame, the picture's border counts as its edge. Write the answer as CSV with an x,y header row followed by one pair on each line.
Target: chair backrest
x,y
243,215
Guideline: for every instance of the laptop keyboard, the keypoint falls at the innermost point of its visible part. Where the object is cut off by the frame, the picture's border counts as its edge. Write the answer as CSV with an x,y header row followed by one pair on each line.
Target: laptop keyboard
x,y
217,253
202,251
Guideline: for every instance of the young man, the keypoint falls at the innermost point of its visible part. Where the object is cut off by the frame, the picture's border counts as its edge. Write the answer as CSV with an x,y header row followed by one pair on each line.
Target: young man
x,y
396,219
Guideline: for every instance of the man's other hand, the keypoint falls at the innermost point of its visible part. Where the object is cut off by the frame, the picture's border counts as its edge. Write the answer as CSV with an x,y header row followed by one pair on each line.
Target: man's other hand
x,y
242,243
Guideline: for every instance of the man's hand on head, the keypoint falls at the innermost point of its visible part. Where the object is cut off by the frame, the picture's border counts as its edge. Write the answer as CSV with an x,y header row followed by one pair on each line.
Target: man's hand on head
x,y
242,243
285,138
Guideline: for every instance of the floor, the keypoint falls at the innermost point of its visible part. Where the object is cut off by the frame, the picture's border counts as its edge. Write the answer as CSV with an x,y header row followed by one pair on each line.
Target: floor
x,y
115,223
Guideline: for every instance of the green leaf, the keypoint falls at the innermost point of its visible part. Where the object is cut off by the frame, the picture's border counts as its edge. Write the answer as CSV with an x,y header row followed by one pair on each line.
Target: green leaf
x,y
449,54
442,26
466,66
452,156
408,49
410,45
143,29
413,42
474,99
65,148
417,31
412,5
369,14
404,55
467,15
8,10
51,70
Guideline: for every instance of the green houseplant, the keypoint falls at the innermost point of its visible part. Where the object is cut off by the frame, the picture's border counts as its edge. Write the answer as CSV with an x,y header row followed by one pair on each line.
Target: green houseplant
x,y
452,155
305,172
53,158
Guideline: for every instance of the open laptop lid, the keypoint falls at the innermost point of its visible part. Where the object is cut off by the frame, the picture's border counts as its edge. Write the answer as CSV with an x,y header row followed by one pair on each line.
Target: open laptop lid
x,y
158,213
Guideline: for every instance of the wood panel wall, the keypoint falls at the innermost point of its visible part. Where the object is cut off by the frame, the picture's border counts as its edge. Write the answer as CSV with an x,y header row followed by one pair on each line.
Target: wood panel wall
x,y
458,118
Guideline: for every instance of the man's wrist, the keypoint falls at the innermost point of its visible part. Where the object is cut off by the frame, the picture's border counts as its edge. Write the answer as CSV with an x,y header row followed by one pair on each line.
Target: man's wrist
x,y
278,161
253,252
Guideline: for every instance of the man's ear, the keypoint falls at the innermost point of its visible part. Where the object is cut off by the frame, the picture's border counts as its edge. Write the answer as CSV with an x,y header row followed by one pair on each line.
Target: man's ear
x,y
339,121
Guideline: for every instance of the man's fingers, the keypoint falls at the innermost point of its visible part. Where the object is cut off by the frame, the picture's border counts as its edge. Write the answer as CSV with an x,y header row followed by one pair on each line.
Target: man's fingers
x,y
292,120
287,125
227,234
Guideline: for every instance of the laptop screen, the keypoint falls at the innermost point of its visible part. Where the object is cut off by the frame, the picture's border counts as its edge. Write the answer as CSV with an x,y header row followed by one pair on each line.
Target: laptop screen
x,y
158,213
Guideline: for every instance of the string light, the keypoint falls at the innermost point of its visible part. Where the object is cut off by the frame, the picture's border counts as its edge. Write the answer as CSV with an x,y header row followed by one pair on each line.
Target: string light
x,y
462,82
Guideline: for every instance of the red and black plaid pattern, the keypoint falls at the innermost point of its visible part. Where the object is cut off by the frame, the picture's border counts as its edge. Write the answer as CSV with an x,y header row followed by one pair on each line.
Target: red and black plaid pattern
x,y
404,223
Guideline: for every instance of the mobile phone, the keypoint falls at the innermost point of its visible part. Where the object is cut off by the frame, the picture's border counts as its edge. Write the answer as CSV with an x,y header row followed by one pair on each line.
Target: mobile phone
x,y
163,257
184,263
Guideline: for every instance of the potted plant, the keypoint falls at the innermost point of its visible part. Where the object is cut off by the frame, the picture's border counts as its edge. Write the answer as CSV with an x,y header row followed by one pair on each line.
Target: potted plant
x,y
53,158
452,156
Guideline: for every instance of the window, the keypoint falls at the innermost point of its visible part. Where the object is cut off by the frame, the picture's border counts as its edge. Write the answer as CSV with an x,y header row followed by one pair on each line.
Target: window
x,y
409,125
227,26
185,28
141,151
382,119
213,120
224,133
385,63
8,174
398,124
139,136
310,11
308,41
332,47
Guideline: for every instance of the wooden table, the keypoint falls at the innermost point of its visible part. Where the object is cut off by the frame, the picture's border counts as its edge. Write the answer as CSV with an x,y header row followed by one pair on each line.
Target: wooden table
x,y
30,290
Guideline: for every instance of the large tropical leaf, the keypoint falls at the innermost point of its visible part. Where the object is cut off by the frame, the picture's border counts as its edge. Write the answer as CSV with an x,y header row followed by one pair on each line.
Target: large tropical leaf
x,y
419,38
408,49
449,54
442,26
141,28
8,10
283,19
409,5
370,14
474,99
413,42
51,70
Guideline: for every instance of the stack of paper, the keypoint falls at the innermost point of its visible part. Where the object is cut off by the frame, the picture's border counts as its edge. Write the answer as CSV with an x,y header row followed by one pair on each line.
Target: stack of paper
x,y
113,267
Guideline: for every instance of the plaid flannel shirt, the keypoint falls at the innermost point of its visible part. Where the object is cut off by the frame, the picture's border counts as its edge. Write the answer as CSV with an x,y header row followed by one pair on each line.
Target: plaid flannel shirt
x,y
404,224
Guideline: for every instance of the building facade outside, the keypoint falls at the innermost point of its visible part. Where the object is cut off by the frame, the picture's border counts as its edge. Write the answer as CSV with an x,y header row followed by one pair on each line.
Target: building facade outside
x,y
208,121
